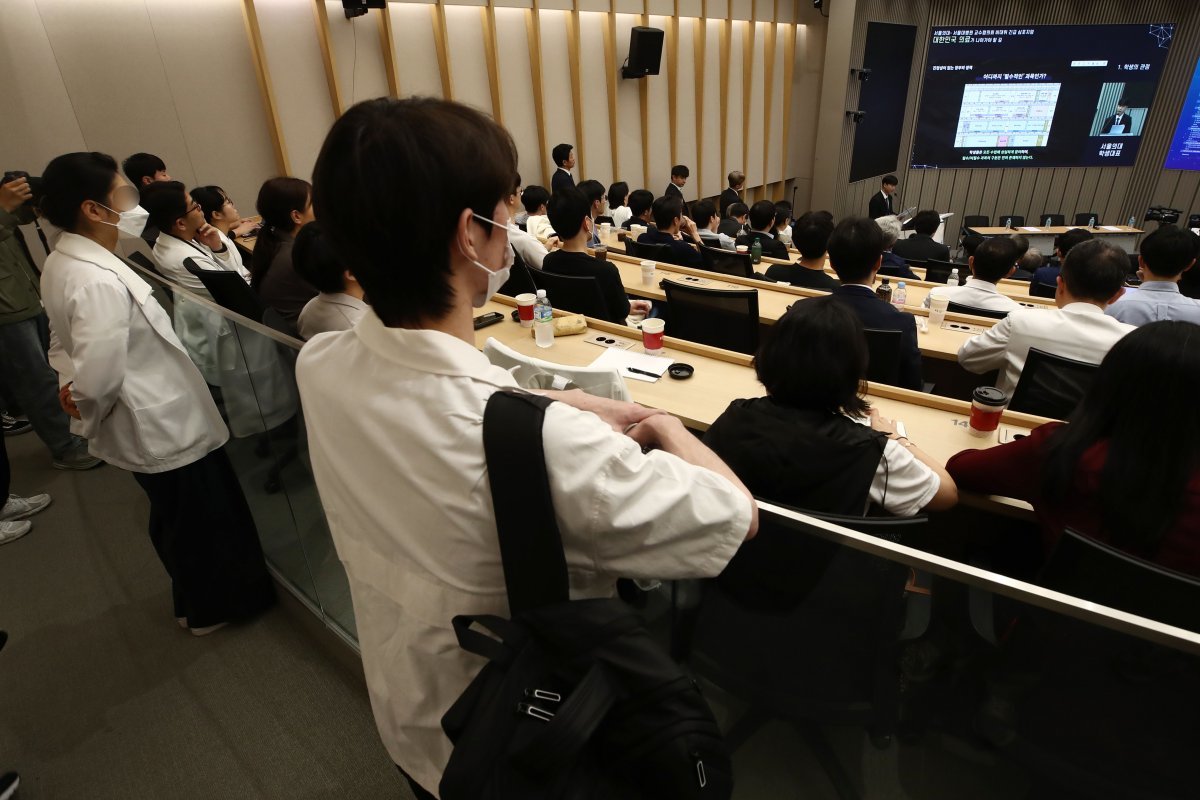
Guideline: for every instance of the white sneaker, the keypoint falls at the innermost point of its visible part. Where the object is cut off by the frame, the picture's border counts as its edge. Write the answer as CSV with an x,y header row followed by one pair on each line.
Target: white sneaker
x,y
23,507
206,630
11,531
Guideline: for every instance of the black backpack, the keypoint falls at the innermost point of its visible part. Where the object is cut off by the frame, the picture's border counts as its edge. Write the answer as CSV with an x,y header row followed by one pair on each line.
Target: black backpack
x,y
577,700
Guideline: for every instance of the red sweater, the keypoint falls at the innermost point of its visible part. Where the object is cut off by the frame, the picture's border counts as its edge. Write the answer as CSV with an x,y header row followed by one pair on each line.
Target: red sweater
x,y
1015,470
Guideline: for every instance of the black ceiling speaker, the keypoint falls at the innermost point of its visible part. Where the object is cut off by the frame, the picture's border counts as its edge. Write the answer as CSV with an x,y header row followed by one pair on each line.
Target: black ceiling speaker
x,y
356,8
645,52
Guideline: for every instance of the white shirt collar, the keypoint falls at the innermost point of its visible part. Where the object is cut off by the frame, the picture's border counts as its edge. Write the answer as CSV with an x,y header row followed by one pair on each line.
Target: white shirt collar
x,y
428,351
84,249
982,285
1082,307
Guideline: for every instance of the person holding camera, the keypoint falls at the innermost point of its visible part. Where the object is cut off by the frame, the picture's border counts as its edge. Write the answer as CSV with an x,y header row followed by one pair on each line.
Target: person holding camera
x,y
25,370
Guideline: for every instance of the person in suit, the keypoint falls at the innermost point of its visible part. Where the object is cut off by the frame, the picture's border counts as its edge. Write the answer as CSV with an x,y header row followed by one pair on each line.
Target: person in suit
x,y
762,226
893,265
856,251
733,194
734,224
675,231
640,201
1093,277
1121,119
564,162
811,236
883,203
921,246
1063,243
679,177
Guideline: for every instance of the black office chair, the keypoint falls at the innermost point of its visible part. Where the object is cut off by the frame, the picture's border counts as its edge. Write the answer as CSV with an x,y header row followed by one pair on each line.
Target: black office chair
x,y
726,318
809,632
726,262
959,308
519,280
653,252
148,265
1050,385
1085,217
883,349
579,295
1016,220
939,271
1066,697
1049,220
229,289
976,221
1042,289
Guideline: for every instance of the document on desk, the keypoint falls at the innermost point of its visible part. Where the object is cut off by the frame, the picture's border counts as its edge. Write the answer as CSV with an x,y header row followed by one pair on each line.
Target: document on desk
x,y
1029,229
622,360
1115,228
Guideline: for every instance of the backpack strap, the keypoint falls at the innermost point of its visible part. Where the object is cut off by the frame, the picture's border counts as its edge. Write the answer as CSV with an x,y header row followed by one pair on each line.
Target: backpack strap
x,y
535,568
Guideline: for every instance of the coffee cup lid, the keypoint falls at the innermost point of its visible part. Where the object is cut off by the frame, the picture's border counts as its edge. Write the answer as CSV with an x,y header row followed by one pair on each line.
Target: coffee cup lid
x,y
680,371
990,396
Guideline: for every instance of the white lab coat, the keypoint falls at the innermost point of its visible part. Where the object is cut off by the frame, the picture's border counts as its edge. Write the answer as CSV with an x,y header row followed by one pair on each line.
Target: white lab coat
x,y
199,328
143,403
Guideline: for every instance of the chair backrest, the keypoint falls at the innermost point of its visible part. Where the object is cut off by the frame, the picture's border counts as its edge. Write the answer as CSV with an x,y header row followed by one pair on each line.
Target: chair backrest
x,y
519,280
939,271
229,289
579,295
726,318
729,263
145,263
959,308
1134,263
883,349
1042,289
654,252
1050,385
1052,220
1084,217
976,221
1016,219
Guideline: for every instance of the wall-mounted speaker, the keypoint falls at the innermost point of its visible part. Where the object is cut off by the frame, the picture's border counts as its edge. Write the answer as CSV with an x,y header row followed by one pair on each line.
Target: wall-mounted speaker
x,y
645,52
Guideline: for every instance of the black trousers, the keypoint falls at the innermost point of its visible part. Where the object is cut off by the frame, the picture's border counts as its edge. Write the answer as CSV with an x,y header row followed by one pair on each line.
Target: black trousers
x,y
5,471
417,791
204,534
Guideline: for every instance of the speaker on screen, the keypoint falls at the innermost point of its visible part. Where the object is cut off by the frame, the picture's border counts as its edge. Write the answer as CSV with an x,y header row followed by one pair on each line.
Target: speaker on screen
x,y
645,52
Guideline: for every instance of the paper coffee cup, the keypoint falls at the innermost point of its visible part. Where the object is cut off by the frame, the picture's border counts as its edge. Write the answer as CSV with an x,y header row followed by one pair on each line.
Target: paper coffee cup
x,y
652,335
648,273
937,310
987,406
525,303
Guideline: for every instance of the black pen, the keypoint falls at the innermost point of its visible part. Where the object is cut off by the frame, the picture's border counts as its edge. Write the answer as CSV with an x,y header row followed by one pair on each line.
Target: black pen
x,y
643,372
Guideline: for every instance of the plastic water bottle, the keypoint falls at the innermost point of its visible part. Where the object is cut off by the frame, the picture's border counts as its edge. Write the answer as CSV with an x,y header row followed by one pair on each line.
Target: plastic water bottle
x,y
543,320
1092,222
953,279
756,251
899,296
1008,223
884,292
1047,223
1131,222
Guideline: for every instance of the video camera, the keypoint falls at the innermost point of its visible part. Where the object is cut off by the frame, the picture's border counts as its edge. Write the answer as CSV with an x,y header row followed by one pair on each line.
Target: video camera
x,y
35,184
1163,215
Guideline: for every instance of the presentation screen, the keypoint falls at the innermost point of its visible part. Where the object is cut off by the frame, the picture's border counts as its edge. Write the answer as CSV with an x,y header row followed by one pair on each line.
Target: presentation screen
x,y
1039,96
1185,144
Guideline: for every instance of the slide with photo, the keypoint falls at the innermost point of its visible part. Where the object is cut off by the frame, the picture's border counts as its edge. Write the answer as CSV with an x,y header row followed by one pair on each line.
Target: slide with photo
x,y
1038,96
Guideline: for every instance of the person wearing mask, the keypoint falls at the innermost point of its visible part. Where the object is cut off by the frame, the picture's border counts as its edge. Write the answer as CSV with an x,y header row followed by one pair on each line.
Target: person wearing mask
x,y
920,245
804,444
534,199
993,261
618,203
762,225
679,178
856,251
26,375
564,162
1095,473
1063,242
736,222
285,205
893,265
704,215
143,169
527,246
732,193
674,230
395,407
594,192
811,232
1093,277
340,305
1165,255
222,214
140,400
570,211
640,203
884,203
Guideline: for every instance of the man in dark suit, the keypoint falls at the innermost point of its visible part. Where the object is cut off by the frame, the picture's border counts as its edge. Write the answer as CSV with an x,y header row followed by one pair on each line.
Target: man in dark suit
x,y
883,203
762,224
734,225
733,194
1121,119
564,162
921,246
856,251
679,176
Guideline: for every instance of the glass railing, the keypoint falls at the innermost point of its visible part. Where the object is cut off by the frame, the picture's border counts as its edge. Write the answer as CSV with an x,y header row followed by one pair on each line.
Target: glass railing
x,y
850,663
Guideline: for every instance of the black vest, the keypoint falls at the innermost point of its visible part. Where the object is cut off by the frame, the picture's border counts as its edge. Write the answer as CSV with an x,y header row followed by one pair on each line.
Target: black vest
x,y
808,459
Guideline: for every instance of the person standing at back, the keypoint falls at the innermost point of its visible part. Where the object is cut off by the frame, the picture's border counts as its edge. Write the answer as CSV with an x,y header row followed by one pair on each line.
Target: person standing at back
x,y
564,162
732,193
679,178
286,206
883,202
1165,256
395,420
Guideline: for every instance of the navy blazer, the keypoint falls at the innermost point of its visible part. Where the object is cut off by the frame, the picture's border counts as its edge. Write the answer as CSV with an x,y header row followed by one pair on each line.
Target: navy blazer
x,y
561,180
672,189
877,314
896,267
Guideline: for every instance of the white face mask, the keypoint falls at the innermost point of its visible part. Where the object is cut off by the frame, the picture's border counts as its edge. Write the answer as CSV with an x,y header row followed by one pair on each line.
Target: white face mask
x,y
499,277
131,222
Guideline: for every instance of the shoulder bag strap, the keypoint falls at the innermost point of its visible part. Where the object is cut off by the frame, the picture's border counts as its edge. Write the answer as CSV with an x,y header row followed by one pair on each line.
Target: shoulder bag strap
x,y
535,568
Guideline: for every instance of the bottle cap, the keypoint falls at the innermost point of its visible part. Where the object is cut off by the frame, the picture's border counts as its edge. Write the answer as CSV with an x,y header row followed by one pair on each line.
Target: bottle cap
x,y
541,292
900,284
885,281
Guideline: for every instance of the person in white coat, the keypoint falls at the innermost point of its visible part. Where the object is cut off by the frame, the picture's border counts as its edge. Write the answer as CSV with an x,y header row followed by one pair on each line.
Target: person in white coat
x,y
220,212
140,401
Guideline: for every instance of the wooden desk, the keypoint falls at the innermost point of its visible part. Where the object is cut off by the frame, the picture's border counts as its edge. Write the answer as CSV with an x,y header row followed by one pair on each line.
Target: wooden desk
x,y
1042,238
938,424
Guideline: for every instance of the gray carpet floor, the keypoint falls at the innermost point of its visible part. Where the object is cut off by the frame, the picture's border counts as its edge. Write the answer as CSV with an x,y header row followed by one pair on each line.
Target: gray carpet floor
x,y
103,696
